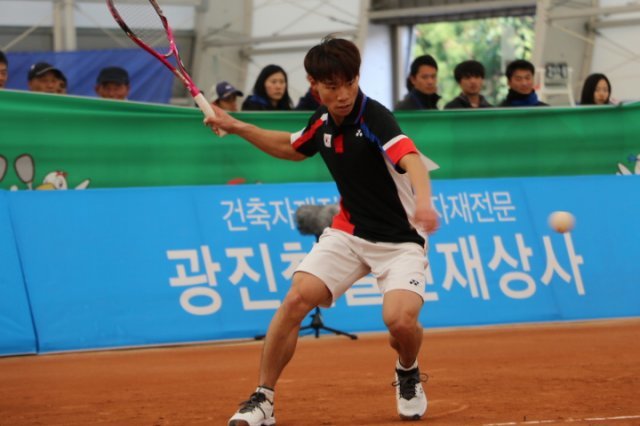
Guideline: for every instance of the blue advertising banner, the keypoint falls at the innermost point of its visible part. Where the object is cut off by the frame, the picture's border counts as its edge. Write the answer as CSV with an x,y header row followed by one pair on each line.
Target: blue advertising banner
x,y
16,328
143,266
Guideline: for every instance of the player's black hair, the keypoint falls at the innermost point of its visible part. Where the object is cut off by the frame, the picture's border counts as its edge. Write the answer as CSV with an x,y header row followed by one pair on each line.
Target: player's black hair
x,y
469,68
333,59
589,88
3,58
519,64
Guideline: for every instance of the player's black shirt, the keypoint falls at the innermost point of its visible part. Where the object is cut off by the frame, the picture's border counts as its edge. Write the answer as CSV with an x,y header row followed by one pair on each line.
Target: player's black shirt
x,y
362,155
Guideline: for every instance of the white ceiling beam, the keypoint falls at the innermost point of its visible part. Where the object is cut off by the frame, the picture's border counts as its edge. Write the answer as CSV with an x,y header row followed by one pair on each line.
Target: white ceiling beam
x,y
466,7
615,23
593,12
164,2
275,39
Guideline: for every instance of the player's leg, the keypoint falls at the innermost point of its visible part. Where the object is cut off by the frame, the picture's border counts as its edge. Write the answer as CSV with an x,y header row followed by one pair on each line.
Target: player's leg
x,y
307,291
400,269
400,313
325,273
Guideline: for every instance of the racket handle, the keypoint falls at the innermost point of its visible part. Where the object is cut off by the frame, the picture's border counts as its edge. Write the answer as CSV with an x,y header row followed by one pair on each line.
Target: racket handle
x,y
206,109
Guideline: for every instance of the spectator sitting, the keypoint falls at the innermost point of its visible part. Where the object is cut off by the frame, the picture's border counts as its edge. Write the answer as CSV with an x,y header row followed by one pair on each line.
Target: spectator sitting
x,y
470,77
310,101
4,69
596,90
422,85
227,96
520,79
44,77
113,83
270,92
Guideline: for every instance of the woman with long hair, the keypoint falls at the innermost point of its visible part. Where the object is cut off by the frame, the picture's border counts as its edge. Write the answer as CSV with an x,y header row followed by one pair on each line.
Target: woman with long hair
x,y
596,90
270,92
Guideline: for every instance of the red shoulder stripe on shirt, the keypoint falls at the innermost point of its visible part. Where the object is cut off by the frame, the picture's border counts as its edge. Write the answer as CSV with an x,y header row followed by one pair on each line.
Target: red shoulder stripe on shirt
x,y
400,148
306,136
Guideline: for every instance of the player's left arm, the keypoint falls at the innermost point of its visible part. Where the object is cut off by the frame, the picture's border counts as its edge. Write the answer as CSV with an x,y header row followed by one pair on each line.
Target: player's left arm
x,y
425,215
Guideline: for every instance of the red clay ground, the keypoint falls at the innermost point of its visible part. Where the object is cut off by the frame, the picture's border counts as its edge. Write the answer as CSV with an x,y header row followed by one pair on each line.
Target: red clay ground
x,y
552,374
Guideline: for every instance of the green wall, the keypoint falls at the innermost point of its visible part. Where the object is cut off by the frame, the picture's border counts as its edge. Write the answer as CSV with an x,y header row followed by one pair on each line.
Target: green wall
x,y
123,144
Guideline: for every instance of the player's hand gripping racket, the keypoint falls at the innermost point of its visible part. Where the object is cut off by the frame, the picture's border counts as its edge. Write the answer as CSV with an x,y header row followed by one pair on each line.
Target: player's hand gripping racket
x,y
146,25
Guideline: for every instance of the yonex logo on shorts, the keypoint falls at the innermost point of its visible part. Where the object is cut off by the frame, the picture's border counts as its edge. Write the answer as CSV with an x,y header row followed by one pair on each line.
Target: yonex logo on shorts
x,y
414,282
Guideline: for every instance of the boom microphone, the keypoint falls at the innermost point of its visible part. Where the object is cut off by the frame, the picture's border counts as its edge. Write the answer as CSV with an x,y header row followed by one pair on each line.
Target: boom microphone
x,y
312,219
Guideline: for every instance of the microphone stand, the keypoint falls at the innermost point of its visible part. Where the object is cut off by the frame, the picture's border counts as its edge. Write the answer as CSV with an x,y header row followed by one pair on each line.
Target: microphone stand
x,y
317,324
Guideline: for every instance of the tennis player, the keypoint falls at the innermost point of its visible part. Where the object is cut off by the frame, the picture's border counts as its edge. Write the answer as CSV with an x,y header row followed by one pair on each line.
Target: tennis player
x,y
385,216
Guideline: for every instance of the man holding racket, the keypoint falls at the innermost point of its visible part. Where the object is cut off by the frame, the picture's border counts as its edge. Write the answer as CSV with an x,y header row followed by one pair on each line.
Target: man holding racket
x,y
385,215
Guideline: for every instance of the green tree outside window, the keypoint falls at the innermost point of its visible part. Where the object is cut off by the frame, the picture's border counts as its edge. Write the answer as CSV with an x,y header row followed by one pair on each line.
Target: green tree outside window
x,y
494,42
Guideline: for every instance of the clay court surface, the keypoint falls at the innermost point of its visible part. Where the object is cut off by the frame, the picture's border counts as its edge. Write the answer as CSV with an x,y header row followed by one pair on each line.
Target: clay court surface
x,y
585,373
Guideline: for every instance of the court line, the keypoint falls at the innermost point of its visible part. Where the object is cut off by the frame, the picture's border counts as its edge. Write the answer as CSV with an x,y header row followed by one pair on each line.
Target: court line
x,y
541,422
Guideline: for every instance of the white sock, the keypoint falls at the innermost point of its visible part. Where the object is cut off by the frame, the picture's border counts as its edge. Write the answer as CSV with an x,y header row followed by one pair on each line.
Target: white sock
x,y
401,368
269,393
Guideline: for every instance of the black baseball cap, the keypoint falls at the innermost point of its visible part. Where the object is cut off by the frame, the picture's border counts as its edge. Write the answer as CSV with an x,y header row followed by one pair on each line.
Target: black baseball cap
x,y
225,89
113,75
41,68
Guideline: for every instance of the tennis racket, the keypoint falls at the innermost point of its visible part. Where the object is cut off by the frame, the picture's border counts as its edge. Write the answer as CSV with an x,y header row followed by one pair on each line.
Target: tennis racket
x,y
146,25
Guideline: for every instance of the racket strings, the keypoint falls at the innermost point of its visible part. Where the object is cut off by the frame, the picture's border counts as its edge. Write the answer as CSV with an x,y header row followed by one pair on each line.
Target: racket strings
x,y
145,23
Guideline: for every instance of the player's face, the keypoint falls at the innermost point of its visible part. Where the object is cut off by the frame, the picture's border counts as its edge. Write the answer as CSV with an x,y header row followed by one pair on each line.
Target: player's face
x,y
601,95
48,83
471,86
112,90
275,86
521,81
338,96
3,74
425,80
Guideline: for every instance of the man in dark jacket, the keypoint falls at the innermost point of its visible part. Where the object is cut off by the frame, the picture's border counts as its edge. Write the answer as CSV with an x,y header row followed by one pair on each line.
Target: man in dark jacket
x,y
310,101
520,79
422,85
4,69
470,77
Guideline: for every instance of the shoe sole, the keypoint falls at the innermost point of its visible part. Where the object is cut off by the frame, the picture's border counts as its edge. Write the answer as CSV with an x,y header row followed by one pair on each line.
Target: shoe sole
x,y
244,423
411,418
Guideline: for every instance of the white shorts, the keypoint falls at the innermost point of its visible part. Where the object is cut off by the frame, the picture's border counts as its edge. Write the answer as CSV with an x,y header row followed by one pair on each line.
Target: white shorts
x,y
340,259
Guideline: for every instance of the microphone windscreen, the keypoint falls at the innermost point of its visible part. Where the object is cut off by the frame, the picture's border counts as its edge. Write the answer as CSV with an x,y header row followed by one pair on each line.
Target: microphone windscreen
x,y
313,219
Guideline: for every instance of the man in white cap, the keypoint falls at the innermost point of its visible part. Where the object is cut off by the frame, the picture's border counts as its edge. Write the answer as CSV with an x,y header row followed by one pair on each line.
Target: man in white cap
x,y
227,96
44,77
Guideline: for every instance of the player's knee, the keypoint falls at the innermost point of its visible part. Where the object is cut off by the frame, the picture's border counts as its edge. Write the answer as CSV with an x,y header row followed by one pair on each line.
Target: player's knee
x,y
295,305
401,324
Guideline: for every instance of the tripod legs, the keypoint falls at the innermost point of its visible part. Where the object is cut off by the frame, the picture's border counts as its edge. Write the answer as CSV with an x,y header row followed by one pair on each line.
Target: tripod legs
x,y
317,325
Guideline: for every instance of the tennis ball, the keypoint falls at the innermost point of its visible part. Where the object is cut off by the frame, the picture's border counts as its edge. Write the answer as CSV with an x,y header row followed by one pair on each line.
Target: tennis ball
x,y
561,221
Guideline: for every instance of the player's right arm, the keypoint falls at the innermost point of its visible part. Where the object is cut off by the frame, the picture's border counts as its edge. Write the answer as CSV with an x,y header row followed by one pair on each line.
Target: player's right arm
x,y
274,142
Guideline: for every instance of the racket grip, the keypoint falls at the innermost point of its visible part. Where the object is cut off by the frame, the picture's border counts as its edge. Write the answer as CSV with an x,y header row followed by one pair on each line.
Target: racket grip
x,y
206,109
